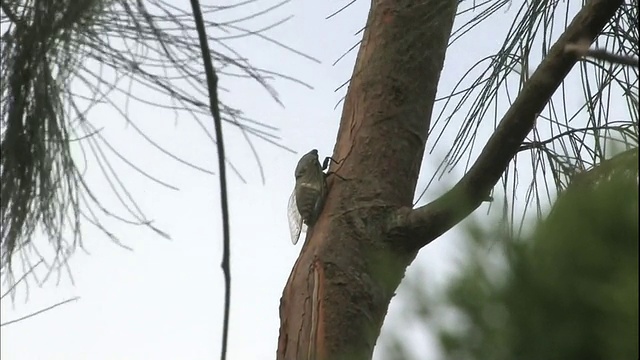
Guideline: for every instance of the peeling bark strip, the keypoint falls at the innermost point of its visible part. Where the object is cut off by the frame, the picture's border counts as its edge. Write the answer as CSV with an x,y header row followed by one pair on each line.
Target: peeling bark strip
x,y
313,330
339,290
316,334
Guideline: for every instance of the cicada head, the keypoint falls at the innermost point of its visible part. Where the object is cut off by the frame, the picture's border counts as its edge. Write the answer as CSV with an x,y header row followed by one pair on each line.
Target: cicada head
x,y
308,165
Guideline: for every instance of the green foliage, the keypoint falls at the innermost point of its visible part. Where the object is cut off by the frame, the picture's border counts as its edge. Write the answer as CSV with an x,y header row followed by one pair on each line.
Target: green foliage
x,y
567,291
570,291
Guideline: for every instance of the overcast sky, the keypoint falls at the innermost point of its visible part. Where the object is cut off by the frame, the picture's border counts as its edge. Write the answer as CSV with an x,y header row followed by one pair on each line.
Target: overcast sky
x,y
164,300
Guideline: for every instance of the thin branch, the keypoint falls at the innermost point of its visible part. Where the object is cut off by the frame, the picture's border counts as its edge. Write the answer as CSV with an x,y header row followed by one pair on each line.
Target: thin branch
x,y
426,223
212,84
14,284
39,311
582,49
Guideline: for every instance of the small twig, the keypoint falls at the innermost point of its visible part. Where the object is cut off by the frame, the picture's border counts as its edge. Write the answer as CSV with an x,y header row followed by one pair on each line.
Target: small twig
x,y
581,48
538,144
212,84
24,276
39,311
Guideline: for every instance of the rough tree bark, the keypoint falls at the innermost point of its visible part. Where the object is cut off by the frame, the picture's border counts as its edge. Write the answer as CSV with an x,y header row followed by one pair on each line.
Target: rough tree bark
x,y
354,258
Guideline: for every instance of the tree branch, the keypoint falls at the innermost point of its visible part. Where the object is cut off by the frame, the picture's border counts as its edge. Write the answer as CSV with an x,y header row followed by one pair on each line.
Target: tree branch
x,y
582,49
39,311
214,106
428,222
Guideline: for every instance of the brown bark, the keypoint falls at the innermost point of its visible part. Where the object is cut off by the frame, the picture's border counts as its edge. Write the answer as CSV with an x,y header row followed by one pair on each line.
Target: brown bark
x,y
355,256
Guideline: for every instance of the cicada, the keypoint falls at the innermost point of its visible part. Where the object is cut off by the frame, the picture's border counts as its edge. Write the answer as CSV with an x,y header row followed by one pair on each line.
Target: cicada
x,y
308,196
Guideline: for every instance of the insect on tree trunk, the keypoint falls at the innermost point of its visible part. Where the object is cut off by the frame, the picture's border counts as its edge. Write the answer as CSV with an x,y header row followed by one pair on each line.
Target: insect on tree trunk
x,y
355,256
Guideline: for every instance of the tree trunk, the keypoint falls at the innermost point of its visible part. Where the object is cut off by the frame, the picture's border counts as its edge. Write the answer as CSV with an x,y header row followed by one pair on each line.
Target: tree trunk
x,y
355,256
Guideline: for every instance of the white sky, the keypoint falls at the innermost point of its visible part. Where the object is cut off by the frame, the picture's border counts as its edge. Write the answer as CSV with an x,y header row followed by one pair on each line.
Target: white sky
x,y
165,299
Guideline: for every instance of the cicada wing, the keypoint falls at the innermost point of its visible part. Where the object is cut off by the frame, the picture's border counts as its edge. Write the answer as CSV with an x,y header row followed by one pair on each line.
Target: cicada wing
x,y
295,220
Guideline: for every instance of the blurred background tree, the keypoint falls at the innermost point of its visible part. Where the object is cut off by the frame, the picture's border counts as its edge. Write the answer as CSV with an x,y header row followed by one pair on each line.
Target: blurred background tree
x,y
567,291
